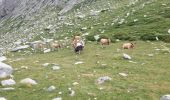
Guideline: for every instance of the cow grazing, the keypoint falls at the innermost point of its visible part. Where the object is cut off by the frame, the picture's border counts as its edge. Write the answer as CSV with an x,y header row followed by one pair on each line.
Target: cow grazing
x,y
55,45
128,46
104,41
38,45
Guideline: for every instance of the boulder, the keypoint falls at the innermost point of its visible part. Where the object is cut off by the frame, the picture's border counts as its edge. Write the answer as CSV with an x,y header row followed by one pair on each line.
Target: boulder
x,y
28,81
165,97
5,70
8,82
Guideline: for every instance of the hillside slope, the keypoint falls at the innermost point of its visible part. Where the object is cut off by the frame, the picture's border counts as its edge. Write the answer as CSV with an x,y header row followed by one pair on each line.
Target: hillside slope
x,y
132,17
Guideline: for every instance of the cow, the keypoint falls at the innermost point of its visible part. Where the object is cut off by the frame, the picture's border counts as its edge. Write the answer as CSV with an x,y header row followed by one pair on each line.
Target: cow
x,y
104,41
55,45
37,45
128,46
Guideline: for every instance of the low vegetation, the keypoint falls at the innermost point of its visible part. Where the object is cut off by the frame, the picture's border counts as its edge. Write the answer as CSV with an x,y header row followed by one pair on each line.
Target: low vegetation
x,y
147,73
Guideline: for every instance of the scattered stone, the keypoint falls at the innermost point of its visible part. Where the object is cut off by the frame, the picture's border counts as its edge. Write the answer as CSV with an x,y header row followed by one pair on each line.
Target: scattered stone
x,y
126,56
157,49
3,58
123,74
51,88
28,81
101,80
71,92
132,62
103,65
165,97
79,62
2,98
45,64
8,82
157,38
56,67
60,92
19,48
94,13
5,70
169,31
135,20
96,37
75,83
145,16
24,67
150,55
58,98
7,89
47,50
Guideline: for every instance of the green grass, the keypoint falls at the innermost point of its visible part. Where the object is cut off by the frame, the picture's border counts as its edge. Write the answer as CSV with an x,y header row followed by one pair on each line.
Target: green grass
x,y
148,79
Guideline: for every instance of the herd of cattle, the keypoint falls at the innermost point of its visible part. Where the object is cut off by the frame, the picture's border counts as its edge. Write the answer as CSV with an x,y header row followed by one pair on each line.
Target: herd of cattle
x,y
77,43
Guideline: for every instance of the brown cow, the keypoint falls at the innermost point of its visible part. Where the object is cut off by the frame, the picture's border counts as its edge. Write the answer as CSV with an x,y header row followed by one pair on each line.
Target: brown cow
x,y
128,46
104,41
55,45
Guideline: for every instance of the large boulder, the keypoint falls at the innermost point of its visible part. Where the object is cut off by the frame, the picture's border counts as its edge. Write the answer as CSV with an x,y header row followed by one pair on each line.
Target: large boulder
x,y
5,70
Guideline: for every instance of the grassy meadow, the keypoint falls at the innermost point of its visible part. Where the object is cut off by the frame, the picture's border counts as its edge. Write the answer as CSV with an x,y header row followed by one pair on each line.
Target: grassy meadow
x,y
147,73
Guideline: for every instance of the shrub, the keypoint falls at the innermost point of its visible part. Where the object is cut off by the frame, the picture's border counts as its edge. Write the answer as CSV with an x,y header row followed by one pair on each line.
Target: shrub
x,y
164,37
121,36
151,37
90,38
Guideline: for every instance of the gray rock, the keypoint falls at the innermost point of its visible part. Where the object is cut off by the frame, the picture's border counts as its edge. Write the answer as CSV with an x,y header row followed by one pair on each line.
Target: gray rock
x,y
58,98
5,70
28,81
2,58
165,97
101,80
7,89
8,82
20,48
56,67
2,98
126,56
51,88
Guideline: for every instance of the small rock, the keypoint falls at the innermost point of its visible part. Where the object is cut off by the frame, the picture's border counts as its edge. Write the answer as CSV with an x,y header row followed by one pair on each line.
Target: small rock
x,y
7,89
56,67
165,97
75,83
71,92
59,92
150,55
132,62
58,98
123,74
5,70
101,80
169,31
2,98
45,64
47,50
28,81
126,56
51,88
3,58
79,62
8,82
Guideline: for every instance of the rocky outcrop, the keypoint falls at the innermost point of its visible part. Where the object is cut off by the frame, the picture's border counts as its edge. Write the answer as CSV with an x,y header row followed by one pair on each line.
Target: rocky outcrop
x,y
24,7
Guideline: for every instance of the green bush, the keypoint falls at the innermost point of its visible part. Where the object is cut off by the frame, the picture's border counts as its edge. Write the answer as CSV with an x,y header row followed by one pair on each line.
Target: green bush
x,y
164,37
125,37
90,38
151,37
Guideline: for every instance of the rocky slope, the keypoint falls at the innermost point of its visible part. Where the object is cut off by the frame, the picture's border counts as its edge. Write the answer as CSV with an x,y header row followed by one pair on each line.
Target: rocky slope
x,y
25,7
